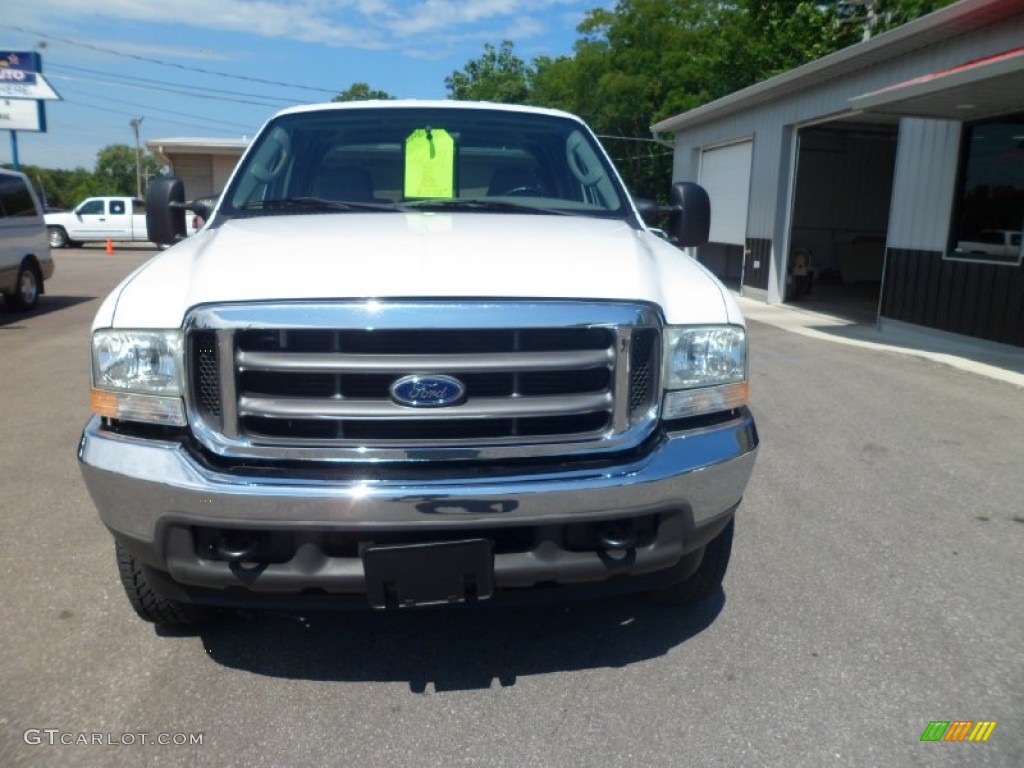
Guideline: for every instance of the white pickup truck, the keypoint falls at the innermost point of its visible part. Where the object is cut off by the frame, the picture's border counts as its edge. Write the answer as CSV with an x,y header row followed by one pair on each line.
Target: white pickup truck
x,y
421,353
97,219
1002,245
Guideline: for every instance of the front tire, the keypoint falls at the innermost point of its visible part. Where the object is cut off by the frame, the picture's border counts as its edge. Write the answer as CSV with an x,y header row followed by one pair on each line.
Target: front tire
x,y
150,604
58,237
707,579
27,287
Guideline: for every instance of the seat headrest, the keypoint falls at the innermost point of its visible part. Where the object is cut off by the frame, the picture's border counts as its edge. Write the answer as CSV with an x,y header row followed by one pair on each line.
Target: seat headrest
x,y
345,182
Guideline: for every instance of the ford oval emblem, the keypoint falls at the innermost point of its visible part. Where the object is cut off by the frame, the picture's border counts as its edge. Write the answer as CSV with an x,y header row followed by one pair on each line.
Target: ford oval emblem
x,y
428,391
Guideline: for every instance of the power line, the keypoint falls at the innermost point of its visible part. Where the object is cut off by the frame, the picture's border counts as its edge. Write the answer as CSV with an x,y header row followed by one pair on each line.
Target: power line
x,y
149,81
136,114
640,157
175,91
162,63
627,138
140,107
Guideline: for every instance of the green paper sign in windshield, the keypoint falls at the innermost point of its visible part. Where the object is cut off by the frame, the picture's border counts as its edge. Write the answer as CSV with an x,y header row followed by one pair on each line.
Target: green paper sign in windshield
x,y
430,163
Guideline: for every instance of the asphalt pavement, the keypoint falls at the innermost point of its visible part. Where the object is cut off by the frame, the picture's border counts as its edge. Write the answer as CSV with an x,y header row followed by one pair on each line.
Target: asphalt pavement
x,y
875,587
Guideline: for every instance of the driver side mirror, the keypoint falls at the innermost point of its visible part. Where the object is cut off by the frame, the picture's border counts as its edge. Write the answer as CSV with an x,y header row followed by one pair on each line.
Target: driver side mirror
x,y
165,210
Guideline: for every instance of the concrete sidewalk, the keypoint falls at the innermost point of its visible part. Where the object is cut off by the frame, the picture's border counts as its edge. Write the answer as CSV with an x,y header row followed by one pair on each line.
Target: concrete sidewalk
x,y
995,361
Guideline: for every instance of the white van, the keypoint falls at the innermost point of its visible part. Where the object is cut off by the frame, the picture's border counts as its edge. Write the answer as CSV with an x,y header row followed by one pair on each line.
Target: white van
x,y
25,260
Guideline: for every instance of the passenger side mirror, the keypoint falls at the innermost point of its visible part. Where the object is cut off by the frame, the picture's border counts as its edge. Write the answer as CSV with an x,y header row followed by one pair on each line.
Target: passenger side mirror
x,y
690,217
165,210
649,210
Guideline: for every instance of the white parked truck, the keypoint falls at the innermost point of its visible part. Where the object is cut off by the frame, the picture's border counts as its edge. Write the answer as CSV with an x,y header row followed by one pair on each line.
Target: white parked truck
x,y
1002,245
421,353
97,219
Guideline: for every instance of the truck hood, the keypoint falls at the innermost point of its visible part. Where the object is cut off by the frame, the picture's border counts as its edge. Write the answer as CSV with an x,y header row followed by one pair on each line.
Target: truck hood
x,y
417,255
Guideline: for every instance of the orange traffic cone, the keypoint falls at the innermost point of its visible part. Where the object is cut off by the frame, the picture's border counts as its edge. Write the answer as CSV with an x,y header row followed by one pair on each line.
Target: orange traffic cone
x,y
110,246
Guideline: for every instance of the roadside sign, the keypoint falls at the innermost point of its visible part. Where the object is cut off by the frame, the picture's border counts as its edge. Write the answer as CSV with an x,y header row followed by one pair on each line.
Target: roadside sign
x,y
23,89
39,89
24,61
21,77
22,115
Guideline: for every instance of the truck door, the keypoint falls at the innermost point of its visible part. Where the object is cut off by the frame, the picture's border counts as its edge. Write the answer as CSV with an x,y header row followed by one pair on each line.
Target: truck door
x,y
119,220
90,220
138,220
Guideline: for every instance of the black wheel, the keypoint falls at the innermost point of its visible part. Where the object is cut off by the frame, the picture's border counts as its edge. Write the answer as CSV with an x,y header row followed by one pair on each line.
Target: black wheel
x,y
58,237
148,603
27,288
707,579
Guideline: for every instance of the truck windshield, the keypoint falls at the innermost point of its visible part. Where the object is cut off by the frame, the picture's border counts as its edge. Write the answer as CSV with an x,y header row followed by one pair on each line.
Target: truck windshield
x,y
380,159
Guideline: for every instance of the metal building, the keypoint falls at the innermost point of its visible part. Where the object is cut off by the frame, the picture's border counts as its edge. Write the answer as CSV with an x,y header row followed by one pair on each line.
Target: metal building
x,y
885,180
204,165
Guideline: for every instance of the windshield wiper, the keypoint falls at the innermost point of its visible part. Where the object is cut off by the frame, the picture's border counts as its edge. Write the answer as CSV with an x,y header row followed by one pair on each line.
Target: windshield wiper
x,y
299,204
486,204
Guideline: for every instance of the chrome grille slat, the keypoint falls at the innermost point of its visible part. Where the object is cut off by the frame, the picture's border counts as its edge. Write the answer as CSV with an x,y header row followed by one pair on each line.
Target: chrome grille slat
x,y
481,408
320,362
511,441
313,381
225,345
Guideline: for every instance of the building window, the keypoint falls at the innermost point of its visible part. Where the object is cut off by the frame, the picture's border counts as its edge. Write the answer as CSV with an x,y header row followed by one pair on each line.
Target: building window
x,y
990,193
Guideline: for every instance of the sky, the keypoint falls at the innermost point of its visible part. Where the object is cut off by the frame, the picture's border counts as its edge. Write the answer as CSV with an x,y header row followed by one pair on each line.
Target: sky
x,y
101,58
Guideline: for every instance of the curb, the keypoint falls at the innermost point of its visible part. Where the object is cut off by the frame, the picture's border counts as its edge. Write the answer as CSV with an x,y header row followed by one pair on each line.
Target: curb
x,y
999,362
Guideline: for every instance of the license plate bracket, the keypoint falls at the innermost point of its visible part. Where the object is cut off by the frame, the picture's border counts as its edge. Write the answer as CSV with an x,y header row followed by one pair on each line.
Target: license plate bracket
x,y
437,573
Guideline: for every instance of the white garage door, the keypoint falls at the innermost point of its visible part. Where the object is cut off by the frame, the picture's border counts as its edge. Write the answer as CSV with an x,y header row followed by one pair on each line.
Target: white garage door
x,y
725,174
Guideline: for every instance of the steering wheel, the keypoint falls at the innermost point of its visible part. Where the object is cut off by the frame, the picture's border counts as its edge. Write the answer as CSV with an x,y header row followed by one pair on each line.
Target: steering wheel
x,y
524,192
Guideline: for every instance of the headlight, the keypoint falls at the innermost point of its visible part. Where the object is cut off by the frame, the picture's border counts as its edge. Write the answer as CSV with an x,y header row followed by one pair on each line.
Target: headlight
x,y
137,376
705,370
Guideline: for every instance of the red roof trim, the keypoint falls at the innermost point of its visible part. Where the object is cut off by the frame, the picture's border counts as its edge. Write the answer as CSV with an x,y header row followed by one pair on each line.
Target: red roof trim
x,y
966,66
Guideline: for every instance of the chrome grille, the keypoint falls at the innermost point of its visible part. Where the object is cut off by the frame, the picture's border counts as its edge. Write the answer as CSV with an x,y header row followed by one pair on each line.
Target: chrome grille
x,y
315,381
335,384
642,369
206,374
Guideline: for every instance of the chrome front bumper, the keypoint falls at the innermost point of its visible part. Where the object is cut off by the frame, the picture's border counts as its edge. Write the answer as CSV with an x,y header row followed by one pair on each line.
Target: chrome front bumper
x,y
146,489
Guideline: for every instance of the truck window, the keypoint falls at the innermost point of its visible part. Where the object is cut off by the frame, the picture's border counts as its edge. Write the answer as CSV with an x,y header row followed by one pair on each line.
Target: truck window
x,y
91,208
359,156
116,207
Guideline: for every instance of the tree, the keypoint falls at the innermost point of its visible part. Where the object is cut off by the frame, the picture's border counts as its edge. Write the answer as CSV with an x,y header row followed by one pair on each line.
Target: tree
x,y
874,17
115,169
361,92
498,75
60,188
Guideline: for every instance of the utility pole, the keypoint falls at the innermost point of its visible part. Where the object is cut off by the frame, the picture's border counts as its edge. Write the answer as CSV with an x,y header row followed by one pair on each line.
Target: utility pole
x,y
871,16
135,122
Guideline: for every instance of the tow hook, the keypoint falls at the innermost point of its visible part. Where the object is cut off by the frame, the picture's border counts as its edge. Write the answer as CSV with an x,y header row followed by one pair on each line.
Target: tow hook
x,y
234,548
617,535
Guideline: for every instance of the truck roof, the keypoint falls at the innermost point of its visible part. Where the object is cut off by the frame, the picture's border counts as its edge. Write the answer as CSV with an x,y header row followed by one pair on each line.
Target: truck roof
x,y
428,104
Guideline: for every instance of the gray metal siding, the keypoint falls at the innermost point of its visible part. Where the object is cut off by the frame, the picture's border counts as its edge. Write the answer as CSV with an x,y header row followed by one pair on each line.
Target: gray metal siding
x,y
922,201
767,124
